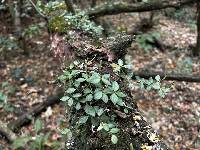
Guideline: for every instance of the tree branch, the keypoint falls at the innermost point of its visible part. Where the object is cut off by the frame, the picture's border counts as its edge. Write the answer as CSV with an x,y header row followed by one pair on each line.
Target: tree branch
x,y
6,132
175,77
39,12
123,7
26,118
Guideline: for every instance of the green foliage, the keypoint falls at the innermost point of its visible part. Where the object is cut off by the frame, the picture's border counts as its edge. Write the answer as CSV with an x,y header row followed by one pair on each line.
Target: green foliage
x,y
38,142
144,40
89,94
62,21
7,44
6,91
153,84
33,30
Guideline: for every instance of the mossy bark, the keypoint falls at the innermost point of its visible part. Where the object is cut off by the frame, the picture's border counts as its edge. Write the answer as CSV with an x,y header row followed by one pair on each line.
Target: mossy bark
x,y
135,132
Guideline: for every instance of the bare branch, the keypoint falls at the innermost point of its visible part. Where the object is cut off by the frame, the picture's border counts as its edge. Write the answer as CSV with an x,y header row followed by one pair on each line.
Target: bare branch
x,y
6,132
39,12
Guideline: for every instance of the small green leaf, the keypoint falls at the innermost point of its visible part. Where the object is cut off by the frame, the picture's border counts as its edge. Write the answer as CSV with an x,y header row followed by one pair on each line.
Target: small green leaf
x,y
62,78
71,66
76,62
90,110
75,72
156,85
84,75
87,91
106,127
115,86
126,110
100,127
106,76
157,78
65,98
129,66
76,84
121,94
114,139
80,80
78,106
114,98
66,73
95,78
83,119
89,97
120,102
38,125
70,102
100,111
105,98
77,95
3,97
105,81
98,95
120,62
70,90
114,130
110,125
64,131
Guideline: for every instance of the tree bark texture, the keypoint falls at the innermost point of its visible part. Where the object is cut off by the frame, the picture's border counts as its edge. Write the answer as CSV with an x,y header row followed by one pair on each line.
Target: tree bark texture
x,y
135,131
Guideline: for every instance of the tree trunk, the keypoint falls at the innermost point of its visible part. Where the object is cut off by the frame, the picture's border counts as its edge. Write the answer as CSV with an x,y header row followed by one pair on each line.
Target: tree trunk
x,y
196,50
15,11
135,132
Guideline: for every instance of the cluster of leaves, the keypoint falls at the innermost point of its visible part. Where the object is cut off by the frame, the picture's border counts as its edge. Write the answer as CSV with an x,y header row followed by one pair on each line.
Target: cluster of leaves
x,y
5,91
38,142
61,20
91,96
124,70
153,84
7,44
144,40
33,30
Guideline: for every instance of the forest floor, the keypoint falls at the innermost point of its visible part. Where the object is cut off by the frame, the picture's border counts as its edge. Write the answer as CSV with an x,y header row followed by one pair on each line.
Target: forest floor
x,y
27,82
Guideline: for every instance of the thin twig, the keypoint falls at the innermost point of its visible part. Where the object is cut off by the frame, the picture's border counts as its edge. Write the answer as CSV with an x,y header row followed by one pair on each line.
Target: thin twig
x,y
40,13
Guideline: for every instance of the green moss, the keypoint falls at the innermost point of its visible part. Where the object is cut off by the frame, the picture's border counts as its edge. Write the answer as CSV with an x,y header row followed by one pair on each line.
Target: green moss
x,y
57,24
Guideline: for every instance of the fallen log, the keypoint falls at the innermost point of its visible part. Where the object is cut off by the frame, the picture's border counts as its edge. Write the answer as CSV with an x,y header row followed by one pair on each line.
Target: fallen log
x,y
135,132
6,132
16,125
123,7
